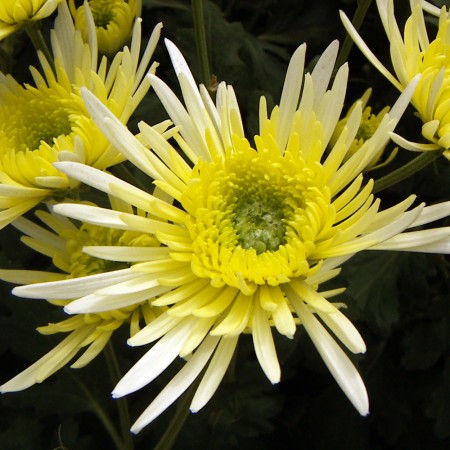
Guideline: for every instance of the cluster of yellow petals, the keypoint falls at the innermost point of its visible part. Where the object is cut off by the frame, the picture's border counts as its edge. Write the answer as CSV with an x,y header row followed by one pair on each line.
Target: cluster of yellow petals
x,y
276,183
14,13
113,21
369,124
432,95
35,125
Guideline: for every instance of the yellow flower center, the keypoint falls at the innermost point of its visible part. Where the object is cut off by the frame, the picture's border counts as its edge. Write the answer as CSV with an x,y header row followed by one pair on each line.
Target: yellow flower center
x,y
31,118
113,21
255,217
104,11
81,264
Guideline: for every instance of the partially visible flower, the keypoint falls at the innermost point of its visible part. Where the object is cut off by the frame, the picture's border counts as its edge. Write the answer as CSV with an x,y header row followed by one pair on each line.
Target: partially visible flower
x,y
247,233
90,333
16,13
43,124
113,21
416,54
369,124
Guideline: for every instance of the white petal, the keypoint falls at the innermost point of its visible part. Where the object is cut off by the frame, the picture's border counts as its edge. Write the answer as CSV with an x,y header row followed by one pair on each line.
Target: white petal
x,y
73,288
97,303
127,254
345,331
442,246
154,330
432,213
215,373
91,176
323,69
367,52
264,345
396,226
122,139
290,95
91,214
413,146
430,8
179,383
411,239
180,117
179,64
49,363
338,363
155,361
402,102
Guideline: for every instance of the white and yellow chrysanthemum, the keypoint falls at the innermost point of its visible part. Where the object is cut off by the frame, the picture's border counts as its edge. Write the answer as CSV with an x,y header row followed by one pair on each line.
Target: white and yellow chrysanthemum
x,y
15,13
369,124
49,122
113,21
412,54
248,232
88,333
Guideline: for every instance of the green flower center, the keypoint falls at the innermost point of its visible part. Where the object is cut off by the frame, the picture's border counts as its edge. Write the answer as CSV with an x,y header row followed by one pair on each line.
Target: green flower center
x,y
103,12
258,222
255,217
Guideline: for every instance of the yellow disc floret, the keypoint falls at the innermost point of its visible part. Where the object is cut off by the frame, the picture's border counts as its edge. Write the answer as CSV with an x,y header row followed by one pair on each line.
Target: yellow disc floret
x,y
251,217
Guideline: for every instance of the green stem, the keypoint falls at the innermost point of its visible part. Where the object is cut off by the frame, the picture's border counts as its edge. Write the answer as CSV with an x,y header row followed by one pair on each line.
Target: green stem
x,y
405,171
122,405
39,44
101,414
169,437
200,40
358,18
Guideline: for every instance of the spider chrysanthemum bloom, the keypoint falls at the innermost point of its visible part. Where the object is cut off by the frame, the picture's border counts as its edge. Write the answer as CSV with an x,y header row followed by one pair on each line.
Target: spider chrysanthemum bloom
x,y
15,13
370,121
49,122
416,53
113,21
248,232
63,241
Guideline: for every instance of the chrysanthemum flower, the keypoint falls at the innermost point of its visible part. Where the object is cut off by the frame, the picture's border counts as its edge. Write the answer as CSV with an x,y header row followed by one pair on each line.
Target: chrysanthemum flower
x,y
369,123
15,13
49,122
113,21
63,242
248,232
412,54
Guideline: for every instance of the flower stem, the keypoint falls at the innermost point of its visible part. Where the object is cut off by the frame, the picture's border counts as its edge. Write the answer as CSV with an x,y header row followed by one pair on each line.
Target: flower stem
x,y
39,44
122,406
405,171
200,40
358,18
100,413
